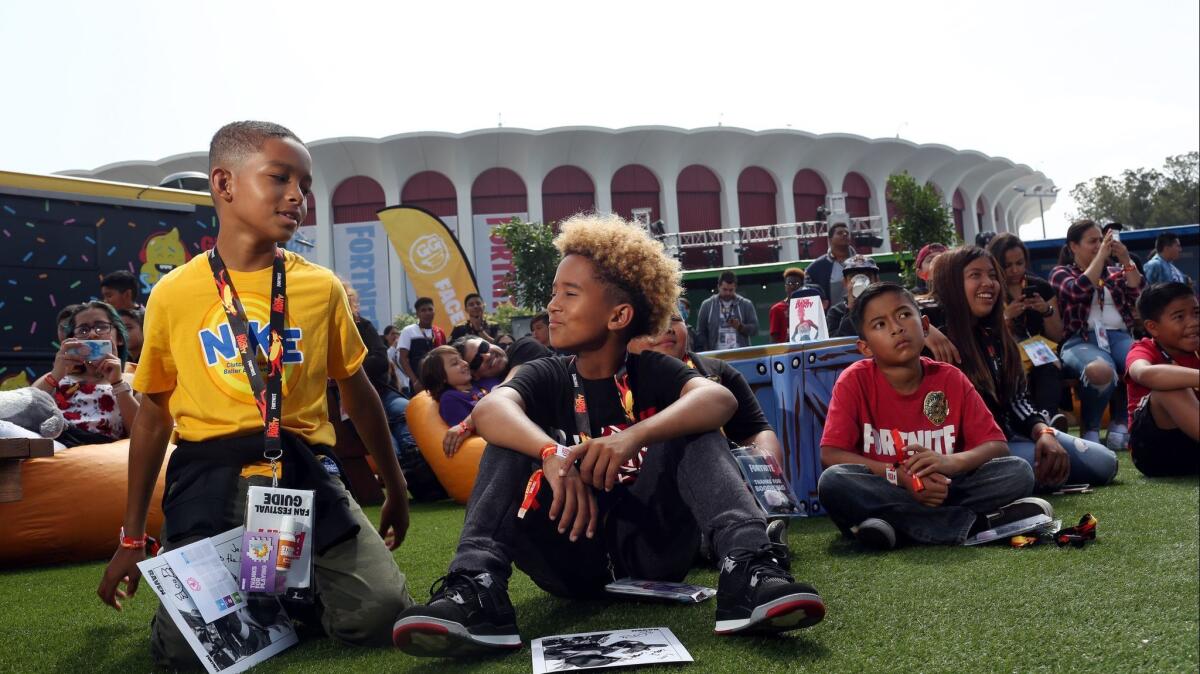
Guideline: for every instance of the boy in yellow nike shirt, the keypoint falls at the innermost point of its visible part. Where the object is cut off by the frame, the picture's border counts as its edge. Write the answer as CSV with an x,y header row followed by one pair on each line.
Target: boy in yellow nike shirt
x,y
294,327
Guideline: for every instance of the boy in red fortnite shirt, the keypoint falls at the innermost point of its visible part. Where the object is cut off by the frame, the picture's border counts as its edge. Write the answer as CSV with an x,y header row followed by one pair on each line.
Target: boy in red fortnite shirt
x,y
1162,374
967,481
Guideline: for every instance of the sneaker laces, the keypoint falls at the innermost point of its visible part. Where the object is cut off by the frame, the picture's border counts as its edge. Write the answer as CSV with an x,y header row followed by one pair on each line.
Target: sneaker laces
x,y
764,567
455,587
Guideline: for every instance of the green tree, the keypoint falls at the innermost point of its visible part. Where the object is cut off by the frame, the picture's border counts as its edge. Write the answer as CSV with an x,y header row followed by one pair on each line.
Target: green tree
x,y
534,260
921,217
1144,197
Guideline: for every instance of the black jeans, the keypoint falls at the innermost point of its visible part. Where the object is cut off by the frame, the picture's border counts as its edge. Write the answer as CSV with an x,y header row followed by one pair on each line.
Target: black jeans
x,y
649,530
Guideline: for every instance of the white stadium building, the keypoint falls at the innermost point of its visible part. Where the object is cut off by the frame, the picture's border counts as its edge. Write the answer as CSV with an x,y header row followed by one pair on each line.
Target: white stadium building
x,y
721,185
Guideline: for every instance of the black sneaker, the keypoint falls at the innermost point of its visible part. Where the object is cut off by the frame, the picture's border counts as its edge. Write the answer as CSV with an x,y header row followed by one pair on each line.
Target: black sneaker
x,y
755,595
1060,422
875,533
1019,509
777,533
466,615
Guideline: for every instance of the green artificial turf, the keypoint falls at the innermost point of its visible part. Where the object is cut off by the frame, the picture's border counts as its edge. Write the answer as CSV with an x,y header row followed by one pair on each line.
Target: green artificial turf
x,y
1128,602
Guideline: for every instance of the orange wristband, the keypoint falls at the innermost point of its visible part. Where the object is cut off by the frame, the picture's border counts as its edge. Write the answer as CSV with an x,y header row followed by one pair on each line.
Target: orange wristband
x,y
1048,430
549,449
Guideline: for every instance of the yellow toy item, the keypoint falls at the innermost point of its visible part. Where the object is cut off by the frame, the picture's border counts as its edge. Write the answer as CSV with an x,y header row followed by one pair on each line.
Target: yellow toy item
x,y
73,507
456,473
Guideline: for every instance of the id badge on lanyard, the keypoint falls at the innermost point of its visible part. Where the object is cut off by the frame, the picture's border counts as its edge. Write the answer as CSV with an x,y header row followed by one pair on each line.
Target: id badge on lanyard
x,y
288,513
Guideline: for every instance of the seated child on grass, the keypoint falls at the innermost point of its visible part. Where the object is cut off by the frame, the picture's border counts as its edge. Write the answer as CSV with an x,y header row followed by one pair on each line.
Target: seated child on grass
x,y
967,286
645,472
1163,376
948,439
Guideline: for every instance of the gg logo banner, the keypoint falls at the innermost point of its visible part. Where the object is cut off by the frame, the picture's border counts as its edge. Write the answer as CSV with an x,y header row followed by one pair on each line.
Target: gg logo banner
x,y
433,260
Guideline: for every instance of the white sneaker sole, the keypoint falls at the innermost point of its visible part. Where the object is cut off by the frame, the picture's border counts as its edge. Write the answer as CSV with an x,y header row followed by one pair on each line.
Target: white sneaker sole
x,y
789,612
427,636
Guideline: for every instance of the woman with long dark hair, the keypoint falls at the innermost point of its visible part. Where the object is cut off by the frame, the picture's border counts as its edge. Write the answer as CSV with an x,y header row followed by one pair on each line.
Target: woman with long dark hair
x,y
968,286
1097,303
1031,312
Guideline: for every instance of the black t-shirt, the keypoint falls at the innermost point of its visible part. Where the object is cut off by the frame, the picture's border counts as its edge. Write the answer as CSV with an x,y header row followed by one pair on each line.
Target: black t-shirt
x,y
545,388
1031,322
749,419
376,363
526,349
464,329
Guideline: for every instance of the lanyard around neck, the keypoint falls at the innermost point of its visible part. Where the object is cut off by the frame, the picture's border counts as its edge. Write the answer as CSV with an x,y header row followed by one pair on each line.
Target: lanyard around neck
x,y
268,395
583,424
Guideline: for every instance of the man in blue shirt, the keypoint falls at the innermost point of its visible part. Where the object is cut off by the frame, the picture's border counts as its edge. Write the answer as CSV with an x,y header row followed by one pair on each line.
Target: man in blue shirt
x,y
1161,267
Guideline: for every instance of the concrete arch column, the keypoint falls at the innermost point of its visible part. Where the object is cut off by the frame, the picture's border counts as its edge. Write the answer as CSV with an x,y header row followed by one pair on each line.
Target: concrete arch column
x,y
879,207
731,215
323,195
466,224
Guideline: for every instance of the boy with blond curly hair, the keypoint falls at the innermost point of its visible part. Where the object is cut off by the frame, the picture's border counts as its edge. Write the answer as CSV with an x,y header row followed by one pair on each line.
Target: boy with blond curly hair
x,y
604,464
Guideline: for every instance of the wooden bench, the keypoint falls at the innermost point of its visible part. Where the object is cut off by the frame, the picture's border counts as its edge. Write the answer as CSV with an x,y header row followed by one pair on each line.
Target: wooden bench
x,y
12,452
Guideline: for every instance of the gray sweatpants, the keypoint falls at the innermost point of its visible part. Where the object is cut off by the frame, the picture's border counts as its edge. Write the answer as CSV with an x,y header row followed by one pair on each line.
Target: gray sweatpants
x,y
649,530
359,589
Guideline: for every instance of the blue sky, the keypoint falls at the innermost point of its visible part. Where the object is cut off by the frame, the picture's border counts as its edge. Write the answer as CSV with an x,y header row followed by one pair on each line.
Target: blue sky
x,y
1075,89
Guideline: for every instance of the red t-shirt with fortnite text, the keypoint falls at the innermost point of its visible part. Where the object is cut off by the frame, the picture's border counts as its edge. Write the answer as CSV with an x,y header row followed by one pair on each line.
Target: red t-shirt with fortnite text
x,y
945,414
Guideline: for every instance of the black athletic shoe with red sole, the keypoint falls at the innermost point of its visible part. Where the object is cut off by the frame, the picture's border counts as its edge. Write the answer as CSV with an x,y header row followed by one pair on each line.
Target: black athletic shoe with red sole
x,y
756,596
466,615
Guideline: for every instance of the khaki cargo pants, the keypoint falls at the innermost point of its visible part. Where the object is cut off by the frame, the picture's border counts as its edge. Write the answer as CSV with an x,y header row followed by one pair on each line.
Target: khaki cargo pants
x,y
359,589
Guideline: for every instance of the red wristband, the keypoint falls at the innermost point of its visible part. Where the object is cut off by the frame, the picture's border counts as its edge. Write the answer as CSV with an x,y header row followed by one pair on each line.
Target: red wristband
x,y
549,449
132,542
1048,430
51,380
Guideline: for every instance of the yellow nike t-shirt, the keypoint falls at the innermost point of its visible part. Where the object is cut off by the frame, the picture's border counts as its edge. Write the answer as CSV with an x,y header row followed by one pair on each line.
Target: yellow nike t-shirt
x,y
189,349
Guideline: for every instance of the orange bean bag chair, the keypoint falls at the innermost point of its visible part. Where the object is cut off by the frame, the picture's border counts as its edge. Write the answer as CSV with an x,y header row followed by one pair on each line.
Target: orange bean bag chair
x,y
456,473
73,507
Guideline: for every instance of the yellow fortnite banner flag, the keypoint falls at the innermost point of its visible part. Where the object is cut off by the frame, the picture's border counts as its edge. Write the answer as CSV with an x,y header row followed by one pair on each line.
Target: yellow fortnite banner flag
x,y
433,259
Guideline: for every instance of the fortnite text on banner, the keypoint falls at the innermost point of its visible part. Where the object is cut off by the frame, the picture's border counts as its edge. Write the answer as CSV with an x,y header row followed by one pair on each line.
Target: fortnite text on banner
x,y
433,259
360,255
493,259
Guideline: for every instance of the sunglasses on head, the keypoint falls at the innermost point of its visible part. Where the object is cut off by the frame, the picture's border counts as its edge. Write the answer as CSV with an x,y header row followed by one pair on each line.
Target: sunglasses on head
x,y
484,347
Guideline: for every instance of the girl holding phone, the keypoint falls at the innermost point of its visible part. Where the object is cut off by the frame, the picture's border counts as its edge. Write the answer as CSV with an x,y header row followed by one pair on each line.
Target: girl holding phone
x,y
87,381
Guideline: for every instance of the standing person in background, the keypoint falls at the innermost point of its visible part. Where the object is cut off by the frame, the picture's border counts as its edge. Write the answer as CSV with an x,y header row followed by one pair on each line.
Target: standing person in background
x,y
1161,268
1031,312
416,340
132,319
120,290
924,264
793,280
826,271
475,325
1097,305
726,320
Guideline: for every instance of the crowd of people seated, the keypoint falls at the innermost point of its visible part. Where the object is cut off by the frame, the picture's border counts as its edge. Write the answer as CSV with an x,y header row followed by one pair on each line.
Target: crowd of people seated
x,y
606,423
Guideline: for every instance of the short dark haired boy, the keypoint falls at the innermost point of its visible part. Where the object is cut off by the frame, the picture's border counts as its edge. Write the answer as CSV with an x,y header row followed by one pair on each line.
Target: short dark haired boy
x,y
1162,378
120,290
638,499
475,325
951,442
825,272
192,374
1161,267
418,339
